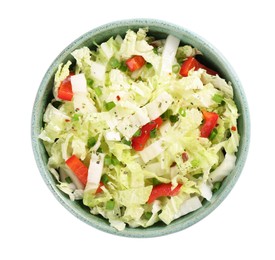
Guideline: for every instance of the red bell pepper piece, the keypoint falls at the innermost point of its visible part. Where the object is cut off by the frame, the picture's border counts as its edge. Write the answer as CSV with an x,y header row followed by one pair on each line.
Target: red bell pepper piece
x,y
135,62
65,91
156,123
191,63
210,121
138,142
78,168
98,190
164,189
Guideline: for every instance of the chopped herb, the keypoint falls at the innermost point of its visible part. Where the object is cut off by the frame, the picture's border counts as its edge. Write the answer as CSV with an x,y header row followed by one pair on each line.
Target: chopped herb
x,y
68,179
155,50
148,65
217,98
104,178
137,133
91,142
182,112
107,160
115,161
155,181
109,105
176,68
123,67
114,63
153,133
127,142
99,150
90,82
110,205
147,215
98,91
111,160
167,114
75,117
174,118
213,134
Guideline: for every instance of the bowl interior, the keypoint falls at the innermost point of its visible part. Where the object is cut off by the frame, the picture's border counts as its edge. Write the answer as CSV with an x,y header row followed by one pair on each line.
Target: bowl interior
x,y
159,29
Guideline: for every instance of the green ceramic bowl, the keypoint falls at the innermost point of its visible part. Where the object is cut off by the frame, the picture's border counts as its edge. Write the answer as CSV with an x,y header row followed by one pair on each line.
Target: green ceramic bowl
x,y
160,29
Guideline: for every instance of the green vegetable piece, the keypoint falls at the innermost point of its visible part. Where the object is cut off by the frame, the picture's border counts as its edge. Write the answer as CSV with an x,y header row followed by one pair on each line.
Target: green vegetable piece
x,y
213,134
174,118
75,117
137,133
99,150
107,160
109,105
182,112
90,82
147,215
98,91
91,142
155,50
115,161
114,63
127,142
110,205
153,133
167,114
104,178
217,98
123,67
155,181
176,68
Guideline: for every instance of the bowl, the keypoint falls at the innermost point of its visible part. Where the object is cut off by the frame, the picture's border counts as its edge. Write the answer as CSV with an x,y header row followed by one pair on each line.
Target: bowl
x,y
159,29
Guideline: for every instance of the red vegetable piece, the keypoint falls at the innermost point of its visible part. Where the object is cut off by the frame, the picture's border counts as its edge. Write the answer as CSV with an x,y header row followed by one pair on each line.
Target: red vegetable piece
x,y
78,168
210,121
233,128
135,62
65,91
139,142
99,190
164,189
188,65
156,123
191,63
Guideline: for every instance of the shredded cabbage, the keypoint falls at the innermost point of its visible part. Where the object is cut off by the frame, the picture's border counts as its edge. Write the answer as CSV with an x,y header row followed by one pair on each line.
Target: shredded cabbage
x,y
110,106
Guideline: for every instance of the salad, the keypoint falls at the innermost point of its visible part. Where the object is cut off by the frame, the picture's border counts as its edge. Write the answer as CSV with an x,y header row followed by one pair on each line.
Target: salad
x,y
139,129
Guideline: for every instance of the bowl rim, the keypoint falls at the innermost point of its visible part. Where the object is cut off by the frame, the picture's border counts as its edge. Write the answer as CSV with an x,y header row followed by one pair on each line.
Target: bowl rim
x,y
153,231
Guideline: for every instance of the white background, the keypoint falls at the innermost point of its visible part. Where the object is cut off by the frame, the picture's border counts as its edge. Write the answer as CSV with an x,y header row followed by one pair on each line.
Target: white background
x,y
33,225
